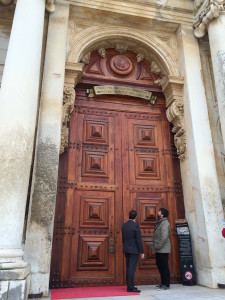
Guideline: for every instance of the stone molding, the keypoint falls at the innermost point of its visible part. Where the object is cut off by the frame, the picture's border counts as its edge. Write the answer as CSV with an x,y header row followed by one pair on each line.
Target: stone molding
x,y
49,4
208,10
172,88
93,38
73,75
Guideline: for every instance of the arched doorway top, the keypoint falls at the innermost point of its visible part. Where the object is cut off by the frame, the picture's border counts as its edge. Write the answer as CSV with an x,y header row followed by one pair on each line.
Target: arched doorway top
x,y
150,46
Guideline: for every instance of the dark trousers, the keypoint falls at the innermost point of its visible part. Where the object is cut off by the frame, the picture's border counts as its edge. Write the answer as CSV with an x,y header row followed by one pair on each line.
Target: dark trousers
x,y
163,267
131,264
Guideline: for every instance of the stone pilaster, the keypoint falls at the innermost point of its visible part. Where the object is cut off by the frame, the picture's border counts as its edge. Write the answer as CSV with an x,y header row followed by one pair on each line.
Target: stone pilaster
x,y
39,233
18,109
210,17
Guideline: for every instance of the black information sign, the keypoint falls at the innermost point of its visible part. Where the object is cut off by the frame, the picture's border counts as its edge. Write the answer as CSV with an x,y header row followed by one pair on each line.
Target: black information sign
x,y
186,259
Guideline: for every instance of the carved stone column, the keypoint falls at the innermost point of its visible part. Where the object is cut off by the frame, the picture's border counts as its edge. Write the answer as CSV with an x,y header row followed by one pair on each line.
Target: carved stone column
x,y
202,198
211,16
173,90
18,113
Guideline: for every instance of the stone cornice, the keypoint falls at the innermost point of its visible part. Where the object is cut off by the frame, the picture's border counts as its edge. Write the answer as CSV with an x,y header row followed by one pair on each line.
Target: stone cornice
x,y
208,10
49,5
144,9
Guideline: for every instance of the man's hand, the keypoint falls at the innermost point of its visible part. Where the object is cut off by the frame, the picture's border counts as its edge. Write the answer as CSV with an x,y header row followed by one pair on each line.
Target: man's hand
x,y
142,256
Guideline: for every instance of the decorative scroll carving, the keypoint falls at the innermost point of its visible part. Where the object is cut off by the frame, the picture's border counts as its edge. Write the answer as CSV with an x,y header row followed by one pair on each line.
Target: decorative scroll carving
x,y
172,88
207,11
155,69
121,48
158,81
175,115
102,52
86,58
68,104
140,57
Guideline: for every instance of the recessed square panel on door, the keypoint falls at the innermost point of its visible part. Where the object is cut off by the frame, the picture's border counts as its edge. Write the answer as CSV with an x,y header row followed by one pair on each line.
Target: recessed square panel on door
x,y
96,153
94,219
148,205
145,148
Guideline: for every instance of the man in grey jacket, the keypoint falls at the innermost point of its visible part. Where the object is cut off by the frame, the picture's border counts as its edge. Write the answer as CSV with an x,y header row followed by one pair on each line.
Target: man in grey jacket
x,y
162,247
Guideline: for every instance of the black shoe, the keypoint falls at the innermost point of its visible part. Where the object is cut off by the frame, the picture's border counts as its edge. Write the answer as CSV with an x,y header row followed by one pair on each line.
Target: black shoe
x,y
163,287
133,290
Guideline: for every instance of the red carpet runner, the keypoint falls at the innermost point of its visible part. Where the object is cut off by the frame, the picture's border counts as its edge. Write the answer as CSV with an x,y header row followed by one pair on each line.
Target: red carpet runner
x,y
91,292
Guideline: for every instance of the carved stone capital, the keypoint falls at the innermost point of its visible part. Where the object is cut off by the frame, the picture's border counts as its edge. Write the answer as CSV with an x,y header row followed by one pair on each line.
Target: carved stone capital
x,y
206,11
68,105
49,4
73,74
172,88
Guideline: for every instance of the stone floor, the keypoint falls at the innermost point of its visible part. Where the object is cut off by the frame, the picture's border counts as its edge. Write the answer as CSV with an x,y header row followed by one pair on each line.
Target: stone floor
x,y
176,292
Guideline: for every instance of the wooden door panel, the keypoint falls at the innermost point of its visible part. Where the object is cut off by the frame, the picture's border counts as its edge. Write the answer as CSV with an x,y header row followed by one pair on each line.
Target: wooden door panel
x,y
118,160
95,231
148,205
145,152
96,149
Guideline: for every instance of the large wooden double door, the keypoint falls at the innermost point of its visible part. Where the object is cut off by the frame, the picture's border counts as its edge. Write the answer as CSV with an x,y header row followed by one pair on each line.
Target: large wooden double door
x,y
119,158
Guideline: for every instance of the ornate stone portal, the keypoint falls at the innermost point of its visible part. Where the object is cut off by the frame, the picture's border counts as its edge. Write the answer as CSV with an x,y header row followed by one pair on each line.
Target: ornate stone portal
x,y
172,86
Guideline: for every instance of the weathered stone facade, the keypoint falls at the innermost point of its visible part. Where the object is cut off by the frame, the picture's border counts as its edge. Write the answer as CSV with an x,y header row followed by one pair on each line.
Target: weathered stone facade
x,y
35,109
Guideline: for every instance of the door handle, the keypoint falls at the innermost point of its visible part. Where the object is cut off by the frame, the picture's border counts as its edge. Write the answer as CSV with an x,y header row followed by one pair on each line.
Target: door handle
x,y
111,245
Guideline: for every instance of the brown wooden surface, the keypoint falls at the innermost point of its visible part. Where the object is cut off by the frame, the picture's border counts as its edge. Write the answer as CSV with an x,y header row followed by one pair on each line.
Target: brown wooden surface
x,y
120,157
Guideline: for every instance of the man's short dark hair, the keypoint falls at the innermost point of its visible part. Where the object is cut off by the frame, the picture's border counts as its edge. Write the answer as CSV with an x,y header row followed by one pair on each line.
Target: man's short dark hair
x,y
164,212
132,214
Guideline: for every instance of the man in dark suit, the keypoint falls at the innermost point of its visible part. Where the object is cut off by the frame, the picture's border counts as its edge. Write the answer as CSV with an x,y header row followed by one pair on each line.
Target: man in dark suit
x,y
132,246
